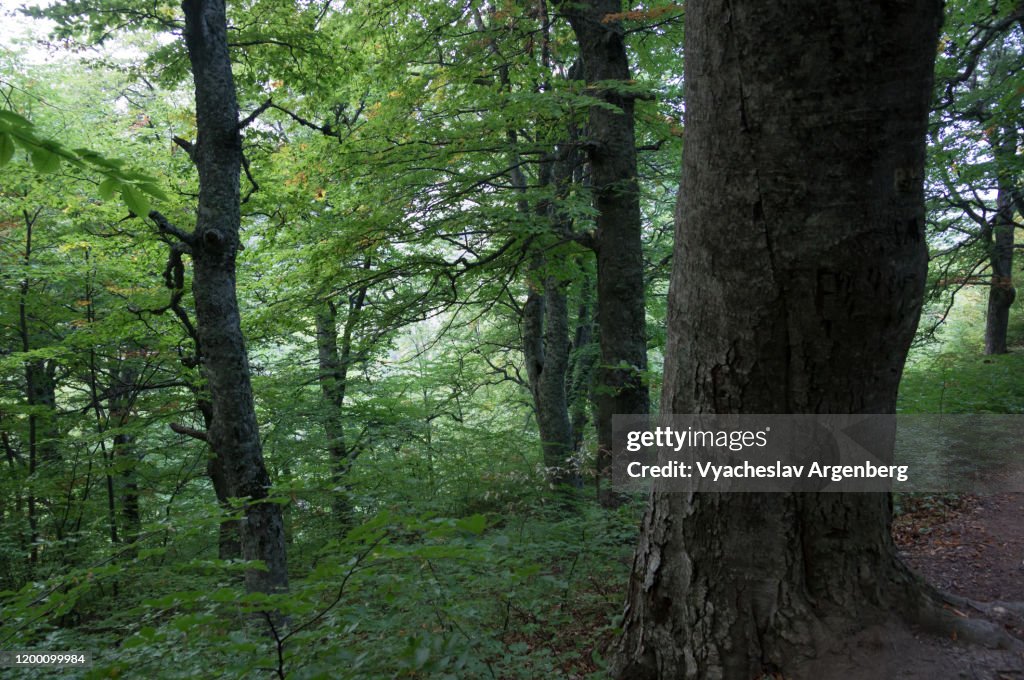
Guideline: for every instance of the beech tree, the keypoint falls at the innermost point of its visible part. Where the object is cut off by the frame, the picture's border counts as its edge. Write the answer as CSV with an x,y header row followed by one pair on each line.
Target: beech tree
x,y
233,432
798,278
611,151
975,159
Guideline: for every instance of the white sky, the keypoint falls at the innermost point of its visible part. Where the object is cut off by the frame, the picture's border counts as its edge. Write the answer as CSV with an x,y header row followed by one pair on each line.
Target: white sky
x,y
16,28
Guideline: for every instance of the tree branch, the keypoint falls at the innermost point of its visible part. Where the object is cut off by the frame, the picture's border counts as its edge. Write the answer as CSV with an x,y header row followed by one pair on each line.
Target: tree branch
x,y
189,431
166,227
245,122
324,129
186,145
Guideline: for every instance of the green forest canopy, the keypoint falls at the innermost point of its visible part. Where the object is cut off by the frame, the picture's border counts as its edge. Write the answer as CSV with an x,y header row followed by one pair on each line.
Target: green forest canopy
x,y
419,298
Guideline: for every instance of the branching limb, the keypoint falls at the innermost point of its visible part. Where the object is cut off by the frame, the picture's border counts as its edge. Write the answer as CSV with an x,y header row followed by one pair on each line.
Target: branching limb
x,y
324,129
186,145
169,229
245,122
253,186
189,431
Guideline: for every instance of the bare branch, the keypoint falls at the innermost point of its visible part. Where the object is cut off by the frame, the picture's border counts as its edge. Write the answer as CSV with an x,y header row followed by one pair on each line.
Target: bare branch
x,y
253,186
189,431
166,227
186,145
245,122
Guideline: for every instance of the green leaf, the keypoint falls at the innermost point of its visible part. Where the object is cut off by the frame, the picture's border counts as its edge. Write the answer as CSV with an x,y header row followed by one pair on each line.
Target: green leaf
x,y
150,552
14,119
153,190
474,524
44,160
6,149
108,187
135,201
421,656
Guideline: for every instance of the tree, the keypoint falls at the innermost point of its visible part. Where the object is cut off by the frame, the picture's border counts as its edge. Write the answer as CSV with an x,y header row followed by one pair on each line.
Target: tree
x,y
611,150
798,276
233,432
975,163
334,363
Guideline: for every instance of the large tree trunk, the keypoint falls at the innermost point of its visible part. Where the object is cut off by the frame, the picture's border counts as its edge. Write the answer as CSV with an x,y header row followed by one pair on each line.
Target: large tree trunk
x,y
233,434
797,284
611,148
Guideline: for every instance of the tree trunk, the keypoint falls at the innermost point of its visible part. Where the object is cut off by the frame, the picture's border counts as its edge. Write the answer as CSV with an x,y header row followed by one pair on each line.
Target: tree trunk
x,y
1001,291
334,364
611,148
546,351
797,284
582,362
40,397
233,434
122,394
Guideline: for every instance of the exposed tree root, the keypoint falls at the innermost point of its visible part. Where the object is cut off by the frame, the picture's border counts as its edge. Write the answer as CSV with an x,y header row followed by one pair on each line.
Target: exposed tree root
x,y
956,617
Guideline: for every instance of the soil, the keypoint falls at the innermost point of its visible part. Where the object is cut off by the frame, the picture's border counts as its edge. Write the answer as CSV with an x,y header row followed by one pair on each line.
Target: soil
x,y
973,548
970,547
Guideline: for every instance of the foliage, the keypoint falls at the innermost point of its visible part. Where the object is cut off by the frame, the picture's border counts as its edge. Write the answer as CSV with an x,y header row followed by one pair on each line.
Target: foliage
x,y
395,170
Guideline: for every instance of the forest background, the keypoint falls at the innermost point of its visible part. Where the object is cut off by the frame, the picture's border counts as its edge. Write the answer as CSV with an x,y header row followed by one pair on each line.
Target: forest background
x,y
420,295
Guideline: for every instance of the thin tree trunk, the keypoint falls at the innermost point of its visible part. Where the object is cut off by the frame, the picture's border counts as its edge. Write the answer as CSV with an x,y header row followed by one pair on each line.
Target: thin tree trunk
x,y
1001,291
797,284
334,363
546,352
546,325
611,148
582,363
545,320
124,453
32,373
233,434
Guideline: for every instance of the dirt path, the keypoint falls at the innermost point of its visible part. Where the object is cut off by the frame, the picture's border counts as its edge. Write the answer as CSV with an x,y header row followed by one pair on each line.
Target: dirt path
x,y
973,547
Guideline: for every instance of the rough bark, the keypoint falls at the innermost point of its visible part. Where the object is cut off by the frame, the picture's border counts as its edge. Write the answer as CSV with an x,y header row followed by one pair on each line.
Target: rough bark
x,y
233,434
546,352
797,284
611,151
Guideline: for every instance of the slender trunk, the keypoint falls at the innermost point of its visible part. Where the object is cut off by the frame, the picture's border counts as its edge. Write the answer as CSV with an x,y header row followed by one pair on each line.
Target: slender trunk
x,y
797,285
611,152
546,352
546,330
582,363
233,434
32,374
545,327
102,424
1001,290
334,363
124,453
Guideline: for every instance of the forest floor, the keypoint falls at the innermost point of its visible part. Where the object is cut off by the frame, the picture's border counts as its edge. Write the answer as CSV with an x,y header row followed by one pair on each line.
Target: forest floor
x,y
968,546
971,546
